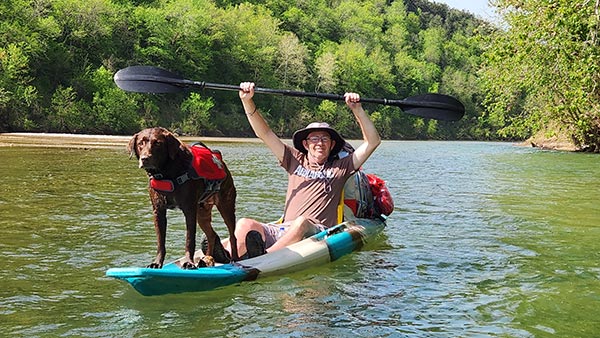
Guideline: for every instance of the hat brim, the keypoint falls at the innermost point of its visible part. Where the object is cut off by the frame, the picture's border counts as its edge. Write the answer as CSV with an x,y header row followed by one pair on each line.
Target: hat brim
x,y
302,134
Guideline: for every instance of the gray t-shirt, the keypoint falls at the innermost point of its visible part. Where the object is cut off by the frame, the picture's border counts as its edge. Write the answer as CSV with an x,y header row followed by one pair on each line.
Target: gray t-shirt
x,y
314,192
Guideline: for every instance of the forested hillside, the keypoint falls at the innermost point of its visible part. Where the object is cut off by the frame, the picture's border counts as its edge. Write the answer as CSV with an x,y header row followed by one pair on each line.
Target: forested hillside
x,y
58,57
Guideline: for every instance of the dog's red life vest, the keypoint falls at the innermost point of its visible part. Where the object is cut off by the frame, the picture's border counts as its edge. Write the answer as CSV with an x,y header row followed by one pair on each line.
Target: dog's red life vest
x,y
206,164
162,185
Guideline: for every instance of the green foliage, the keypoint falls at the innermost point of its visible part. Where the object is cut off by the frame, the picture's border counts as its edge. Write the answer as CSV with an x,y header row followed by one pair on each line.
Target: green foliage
x,y
66,113
175,35
433,44
415,76
57,59
362,71
198,118
16,91
543,69
383,124
326,111
116,110
360,21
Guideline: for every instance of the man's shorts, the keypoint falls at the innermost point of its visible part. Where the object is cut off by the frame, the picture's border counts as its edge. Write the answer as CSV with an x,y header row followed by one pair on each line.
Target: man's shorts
x,y
274,231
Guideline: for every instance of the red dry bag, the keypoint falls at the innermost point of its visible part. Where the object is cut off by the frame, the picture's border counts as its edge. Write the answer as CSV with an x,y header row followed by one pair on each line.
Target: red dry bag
x,y
384,203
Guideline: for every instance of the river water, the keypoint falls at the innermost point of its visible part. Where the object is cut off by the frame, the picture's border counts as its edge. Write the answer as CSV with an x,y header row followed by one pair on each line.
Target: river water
x,y
486,240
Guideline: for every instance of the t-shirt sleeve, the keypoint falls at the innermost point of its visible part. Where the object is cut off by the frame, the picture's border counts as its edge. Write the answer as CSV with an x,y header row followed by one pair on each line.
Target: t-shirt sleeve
x,y
348,164
291,158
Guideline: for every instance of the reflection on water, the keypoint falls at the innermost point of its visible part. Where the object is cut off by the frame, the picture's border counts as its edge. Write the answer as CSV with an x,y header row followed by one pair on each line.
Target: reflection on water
x,y
487,239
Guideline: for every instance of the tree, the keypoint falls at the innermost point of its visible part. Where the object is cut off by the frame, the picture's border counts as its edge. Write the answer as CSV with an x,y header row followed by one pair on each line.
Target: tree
x,y
16,90
175,35
543,70
21,41
361,21
363,71
66,113
115,110
433,45
198,120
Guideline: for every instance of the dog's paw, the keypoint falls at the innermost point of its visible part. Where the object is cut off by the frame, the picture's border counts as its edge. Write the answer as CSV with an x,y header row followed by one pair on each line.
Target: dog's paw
x,y
154,265
206,261
188,266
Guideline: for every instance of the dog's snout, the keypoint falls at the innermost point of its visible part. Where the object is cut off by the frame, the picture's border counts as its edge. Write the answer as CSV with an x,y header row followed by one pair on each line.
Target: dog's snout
x,y
144,161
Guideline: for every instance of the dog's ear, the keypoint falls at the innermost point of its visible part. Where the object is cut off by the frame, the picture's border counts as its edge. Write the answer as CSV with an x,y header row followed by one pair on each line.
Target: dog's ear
x,y
131,148
173,145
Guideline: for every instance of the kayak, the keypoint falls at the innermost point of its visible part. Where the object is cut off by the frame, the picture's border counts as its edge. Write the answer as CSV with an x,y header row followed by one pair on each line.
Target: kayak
x,y
319,249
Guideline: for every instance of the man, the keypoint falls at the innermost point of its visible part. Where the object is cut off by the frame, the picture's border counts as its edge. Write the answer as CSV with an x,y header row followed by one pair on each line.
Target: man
x,y
316,176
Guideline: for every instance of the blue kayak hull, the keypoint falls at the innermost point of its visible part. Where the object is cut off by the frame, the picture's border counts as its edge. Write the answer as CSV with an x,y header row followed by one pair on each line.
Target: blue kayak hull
x,y
319,249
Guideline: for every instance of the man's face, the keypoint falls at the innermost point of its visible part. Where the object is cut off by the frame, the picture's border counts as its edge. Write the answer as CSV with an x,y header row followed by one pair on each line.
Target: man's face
x,y
319,145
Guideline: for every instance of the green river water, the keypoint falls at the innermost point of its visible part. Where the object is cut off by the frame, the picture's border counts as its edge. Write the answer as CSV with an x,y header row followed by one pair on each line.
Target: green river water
x,y
486,240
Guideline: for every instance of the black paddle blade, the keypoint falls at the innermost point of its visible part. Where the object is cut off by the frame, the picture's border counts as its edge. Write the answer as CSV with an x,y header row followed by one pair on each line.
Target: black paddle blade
x,y
148,79
433,106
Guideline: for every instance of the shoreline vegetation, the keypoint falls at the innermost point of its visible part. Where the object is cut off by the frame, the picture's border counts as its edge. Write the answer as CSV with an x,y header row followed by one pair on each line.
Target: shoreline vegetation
x,y
88,141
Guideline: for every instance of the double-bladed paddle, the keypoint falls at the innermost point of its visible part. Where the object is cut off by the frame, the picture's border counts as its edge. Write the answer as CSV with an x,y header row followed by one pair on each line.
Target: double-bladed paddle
x,y
148,79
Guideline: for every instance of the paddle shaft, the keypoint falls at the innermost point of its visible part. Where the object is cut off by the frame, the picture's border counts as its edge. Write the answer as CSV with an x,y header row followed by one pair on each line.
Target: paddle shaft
x,y
148,79
286,92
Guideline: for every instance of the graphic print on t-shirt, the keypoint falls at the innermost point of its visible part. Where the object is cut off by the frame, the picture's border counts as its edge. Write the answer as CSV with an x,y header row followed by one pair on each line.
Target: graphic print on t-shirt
x,y
313,174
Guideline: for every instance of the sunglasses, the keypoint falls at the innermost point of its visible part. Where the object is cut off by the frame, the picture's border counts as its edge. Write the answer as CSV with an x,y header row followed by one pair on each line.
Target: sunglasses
x,y
316,139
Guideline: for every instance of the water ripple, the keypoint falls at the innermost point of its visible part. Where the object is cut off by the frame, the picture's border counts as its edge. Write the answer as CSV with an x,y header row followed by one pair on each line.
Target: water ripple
x,y
486,239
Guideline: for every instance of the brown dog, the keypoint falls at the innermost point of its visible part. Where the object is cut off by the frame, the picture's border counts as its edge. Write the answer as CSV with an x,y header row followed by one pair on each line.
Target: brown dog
x,y
166,159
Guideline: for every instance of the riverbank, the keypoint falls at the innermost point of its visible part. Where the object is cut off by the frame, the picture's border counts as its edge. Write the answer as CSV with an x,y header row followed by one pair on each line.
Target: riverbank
x,y
550,144
82,141
85,141
552,138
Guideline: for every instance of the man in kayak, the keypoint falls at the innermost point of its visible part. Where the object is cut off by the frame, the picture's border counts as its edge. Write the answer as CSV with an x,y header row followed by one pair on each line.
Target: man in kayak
x,y
316,176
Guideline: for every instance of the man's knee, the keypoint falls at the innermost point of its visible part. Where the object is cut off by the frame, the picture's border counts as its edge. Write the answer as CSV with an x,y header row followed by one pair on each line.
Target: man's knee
x,y
245,225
